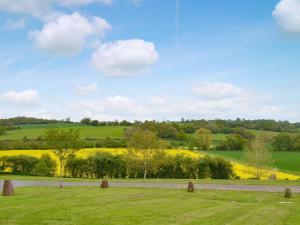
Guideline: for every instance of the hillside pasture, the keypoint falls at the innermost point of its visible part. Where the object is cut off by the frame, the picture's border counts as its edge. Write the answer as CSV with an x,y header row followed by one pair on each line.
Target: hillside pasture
x,y
33,131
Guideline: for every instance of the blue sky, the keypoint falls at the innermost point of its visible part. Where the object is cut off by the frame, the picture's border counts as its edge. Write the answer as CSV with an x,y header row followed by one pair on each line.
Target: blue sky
x,y
150,59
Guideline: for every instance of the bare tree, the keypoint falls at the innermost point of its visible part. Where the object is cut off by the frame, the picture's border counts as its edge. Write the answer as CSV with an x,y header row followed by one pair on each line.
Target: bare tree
x,y
258,155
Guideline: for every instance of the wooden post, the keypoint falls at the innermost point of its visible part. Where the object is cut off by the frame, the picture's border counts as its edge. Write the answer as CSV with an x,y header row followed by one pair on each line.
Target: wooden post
x,y
8,188
190,187
104,184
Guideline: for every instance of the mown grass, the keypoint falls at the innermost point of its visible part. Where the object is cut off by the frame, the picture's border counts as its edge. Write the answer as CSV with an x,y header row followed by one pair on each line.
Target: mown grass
x,y
34,131
287,161
92,205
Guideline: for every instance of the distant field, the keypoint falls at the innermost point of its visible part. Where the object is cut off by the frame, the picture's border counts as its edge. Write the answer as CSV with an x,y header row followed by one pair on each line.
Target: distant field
x,y
33,131
92,205
289,161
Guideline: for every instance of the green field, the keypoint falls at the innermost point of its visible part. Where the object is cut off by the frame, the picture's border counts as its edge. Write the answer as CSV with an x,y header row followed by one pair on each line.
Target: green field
x,y
92,205
34,131
287,161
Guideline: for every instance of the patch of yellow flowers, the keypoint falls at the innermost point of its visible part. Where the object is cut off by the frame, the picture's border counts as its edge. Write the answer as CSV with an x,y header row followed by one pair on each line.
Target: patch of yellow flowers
x,y
241,170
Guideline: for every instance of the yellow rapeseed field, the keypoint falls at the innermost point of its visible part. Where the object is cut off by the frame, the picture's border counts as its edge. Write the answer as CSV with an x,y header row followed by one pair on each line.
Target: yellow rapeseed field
x,y
241,170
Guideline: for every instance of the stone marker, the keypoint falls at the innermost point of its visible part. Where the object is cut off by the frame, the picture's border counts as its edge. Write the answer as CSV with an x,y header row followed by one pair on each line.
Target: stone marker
x,y
190,187
288,193
104,184
8,188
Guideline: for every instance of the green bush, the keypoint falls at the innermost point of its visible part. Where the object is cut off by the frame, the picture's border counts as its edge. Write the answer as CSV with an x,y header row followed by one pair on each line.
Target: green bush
x,y
232,142
28,165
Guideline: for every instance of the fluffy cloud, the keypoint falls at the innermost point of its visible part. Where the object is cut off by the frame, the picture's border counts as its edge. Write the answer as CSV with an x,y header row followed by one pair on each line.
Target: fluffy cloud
x,y
67,35
23,98
86,89
74,3
287,14
30,7
123,58
109,108
41,8
229,102
217,90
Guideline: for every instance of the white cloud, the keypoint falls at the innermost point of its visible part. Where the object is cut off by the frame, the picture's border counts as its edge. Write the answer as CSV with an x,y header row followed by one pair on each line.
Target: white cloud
x,y
109,108
24,98
67,35
215,90
231,102
76,3
86,89
125,57
287,14
11,25
30,7
42,8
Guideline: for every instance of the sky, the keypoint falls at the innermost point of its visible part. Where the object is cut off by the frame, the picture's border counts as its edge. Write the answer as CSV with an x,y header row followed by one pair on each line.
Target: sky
x,y
150,59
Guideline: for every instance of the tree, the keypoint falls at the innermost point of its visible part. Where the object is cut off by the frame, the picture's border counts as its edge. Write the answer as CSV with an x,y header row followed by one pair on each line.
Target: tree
x,y
201,139
143,145
232,142
2,130
86,121
258,155
282,142
64,144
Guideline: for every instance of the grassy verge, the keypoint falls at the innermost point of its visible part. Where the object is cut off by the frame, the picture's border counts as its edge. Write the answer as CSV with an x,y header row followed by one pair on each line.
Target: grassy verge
x,y
91,205
198,181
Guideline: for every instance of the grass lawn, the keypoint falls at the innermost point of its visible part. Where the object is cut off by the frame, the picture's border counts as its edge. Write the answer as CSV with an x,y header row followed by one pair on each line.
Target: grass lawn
x,y
286,161
34,131
92,205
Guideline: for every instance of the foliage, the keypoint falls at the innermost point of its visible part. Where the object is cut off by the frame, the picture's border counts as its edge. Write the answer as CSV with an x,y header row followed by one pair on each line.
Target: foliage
x,y
244,133
2,130
28,165
258,156
282,142
215,168
143,145
201,139
232,142
63,144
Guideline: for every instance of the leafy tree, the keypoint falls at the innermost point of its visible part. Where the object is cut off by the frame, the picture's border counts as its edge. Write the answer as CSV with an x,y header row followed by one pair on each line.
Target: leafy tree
x,y
232,142
201,139
46,166
244,133
86,121
296,142
2,130
143,145
181,136
282,142
258,155
64,144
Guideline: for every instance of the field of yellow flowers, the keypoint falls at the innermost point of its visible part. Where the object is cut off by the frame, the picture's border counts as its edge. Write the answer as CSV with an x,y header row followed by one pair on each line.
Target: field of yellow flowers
x,y
241,170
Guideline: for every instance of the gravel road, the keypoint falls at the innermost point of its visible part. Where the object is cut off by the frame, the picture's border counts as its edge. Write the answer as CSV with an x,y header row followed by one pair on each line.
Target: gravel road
x,y
263,188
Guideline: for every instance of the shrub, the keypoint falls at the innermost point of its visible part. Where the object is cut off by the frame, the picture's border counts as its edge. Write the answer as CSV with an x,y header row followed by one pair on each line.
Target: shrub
x,y
45,166
232,142
215,168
